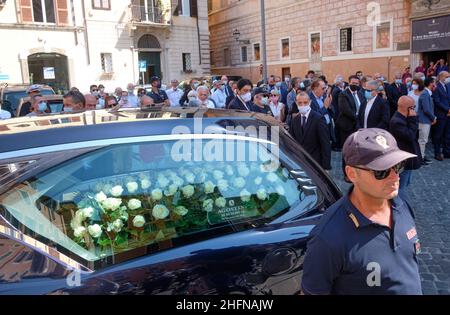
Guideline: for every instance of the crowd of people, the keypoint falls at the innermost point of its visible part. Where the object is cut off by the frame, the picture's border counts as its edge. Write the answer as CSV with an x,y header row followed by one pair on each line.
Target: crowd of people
x,y
320,115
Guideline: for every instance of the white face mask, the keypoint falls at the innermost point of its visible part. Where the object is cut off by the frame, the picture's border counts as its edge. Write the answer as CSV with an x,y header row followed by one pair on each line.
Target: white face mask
x,y
247,97
303,110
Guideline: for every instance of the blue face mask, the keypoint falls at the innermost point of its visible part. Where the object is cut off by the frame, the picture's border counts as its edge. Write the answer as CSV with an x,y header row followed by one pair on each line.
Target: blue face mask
x,y
278,84
398,81
368,95
423,78
42,107
68,109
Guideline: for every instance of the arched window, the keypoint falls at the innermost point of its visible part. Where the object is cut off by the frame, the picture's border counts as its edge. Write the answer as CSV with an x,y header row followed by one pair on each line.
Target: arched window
x,y
149,41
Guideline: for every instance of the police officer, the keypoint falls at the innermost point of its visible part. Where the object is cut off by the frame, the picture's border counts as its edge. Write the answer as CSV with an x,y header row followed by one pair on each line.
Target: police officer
x,y
367,242
159,96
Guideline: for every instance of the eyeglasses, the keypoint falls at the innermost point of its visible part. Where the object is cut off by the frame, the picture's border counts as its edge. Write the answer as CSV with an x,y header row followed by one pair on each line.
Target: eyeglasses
x,y
380,175
94,90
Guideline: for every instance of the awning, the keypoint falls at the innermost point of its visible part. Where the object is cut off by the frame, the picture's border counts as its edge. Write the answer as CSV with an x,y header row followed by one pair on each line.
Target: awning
x,y
431,34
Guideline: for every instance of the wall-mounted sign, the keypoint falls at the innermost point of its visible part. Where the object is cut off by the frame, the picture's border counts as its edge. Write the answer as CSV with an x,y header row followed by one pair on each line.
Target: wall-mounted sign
x,y
431,34
142,66
49,73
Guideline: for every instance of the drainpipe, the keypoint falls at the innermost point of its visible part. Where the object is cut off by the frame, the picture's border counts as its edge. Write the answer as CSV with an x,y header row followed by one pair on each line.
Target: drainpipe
x,y
88,56
198,36
72,8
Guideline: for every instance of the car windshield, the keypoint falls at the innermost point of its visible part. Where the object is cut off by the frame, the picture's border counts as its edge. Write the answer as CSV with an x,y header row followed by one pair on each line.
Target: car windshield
x,y
134,199
14,97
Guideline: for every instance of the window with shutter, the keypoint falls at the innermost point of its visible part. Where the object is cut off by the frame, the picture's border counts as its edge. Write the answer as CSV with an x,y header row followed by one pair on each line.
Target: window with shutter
x,y
62,12
26,11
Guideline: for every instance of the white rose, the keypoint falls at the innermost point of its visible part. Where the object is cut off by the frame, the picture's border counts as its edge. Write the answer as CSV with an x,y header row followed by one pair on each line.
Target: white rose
x,y
190,178
100,197
134,204
218,174
79,216
188,191
239,182
124,216
245,195
223,185
272,177
209,187
88,212
146,184
178,181
261,194
75,223
180,210
229,170
157,194
171,191
138,221
117,225
202,177
79,231
280,190
132,187
243,171
112,203
160,212
221,202
163,182
95,230
117,191
258,180
208,205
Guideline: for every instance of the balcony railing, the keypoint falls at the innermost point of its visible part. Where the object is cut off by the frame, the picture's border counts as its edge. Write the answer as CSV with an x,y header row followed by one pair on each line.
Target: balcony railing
x,y
151,15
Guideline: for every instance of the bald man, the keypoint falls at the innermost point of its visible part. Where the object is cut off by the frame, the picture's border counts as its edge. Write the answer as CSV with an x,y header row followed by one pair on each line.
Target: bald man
x,y
404,126
91,102
146,102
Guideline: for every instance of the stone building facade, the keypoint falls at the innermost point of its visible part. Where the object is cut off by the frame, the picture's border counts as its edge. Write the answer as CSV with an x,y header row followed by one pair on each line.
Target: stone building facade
x,y
67,43
331,37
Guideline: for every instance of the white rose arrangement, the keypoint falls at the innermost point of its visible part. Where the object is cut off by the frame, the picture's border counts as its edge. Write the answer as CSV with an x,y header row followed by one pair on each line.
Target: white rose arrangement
x,y
245,195
209,187
190,178
138,221
221,202
134,204
132,187
160,212
181,211
163,182
157,194
116,226
223,185
95,230
261,193
239,182
112,204
79,231
88,212
208,205
243,171
101,197
188,191
117,191
146,184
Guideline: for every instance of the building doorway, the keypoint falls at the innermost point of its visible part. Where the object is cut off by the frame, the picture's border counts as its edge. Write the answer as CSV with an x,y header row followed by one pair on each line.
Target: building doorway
x,y
150,52
51,69
435,56
285,72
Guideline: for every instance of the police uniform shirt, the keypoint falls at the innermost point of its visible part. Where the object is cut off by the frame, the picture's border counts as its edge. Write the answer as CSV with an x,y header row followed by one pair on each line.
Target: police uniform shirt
x,y
349,254
159,97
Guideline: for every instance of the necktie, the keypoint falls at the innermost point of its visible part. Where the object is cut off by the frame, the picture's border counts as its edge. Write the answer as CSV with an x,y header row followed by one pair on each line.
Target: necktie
x,y
303,123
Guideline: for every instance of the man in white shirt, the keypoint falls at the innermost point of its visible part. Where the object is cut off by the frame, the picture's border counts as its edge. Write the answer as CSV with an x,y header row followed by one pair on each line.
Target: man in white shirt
x,y
133,100
219,95
174,93
203,97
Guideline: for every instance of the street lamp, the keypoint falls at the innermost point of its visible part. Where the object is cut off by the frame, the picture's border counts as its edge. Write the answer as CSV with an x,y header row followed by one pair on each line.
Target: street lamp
x,y
237,35
263,41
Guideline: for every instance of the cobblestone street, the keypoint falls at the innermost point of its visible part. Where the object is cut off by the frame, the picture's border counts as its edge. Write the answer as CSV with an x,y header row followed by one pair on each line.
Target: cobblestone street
x,y
429,196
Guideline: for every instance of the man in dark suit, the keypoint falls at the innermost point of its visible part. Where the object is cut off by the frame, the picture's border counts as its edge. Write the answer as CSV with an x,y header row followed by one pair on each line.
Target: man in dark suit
x,y
426,117
310,130
396,90
193,85
349,103
441,135
404,127
243,99
321,103
374,112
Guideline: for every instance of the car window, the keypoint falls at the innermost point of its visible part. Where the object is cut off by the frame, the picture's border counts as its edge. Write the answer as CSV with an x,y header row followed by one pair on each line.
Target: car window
x,y
14,97
137,198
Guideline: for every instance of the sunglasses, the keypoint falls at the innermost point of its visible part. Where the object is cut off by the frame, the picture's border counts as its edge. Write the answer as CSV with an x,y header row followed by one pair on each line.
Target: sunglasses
x,y
380,175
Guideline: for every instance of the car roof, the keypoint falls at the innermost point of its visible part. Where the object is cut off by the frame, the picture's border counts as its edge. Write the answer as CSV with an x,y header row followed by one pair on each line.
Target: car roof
x,y
31,132
21,87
